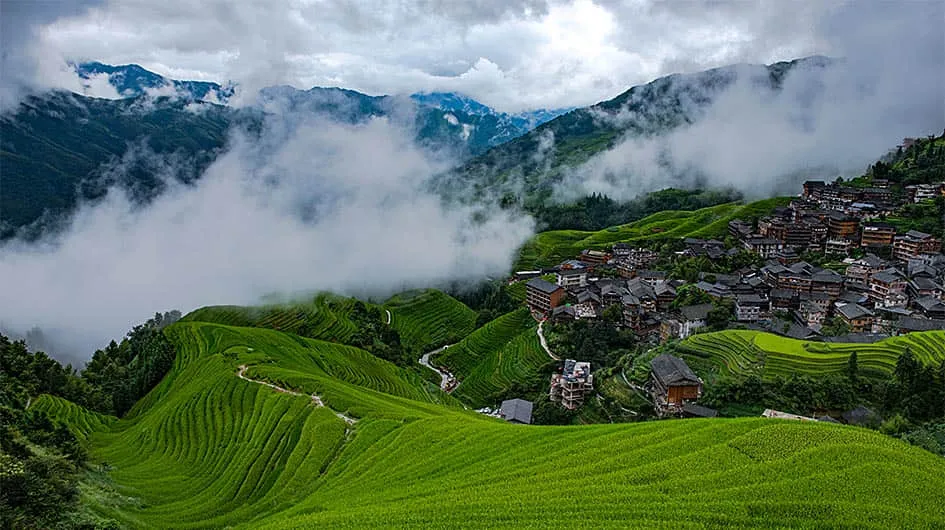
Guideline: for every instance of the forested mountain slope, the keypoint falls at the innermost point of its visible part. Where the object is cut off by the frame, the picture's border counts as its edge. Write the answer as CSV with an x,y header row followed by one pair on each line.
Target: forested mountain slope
x,y
529,166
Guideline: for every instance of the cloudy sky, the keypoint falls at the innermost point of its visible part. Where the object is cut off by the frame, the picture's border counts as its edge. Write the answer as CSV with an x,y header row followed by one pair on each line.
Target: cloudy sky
x,y
511,54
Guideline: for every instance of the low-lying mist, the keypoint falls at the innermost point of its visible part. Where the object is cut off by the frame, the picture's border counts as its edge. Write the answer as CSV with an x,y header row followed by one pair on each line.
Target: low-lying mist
x,y
307,205
886,82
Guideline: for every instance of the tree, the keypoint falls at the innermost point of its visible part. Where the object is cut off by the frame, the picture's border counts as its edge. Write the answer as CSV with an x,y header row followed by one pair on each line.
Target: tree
x,y
613,314
834,327
852,368
718,318
907,369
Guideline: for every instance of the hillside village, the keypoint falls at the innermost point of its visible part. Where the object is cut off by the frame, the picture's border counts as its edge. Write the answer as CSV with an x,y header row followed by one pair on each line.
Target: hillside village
x,y
825,267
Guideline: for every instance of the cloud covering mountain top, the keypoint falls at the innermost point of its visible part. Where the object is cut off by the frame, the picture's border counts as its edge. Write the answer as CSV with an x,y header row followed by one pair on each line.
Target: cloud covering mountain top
x,y
511,55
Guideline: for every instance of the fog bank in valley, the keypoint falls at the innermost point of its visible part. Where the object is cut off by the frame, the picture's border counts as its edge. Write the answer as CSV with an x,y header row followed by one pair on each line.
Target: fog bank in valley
x,y
310,205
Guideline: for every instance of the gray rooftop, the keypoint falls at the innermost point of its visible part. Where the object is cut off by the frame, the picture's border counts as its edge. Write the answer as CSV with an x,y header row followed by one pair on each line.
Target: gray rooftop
x,y
542,285
920,324
699,411
696,312
915,234
672,370
886,276
852,311
516,410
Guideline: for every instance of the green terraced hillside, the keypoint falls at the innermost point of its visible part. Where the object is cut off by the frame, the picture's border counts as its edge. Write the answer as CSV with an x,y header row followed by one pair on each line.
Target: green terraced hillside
x,y
494,356
552,247
752,352
429,319
325,317
209,449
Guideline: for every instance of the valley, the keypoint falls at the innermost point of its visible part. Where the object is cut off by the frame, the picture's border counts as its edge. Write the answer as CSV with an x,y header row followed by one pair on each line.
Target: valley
x,y
569,264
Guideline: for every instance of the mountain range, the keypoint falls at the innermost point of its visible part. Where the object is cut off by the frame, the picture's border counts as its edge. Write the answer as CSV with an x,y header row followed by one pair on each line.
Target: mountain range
x,y
477,125
57,147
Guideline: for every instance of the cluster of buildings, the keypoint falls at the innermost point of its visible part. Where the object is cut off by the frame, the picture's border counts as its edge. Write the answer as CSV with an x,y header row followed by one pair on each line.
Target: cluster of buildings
x,y
900,293
836,219
894,284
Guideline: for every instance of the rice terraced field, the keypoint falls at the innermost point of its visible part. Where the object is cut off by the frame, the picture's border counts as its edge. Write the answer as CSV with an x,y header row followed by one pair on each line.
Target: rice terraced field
x,y
552,247
325,317
208,449
494,356
767,355
429,319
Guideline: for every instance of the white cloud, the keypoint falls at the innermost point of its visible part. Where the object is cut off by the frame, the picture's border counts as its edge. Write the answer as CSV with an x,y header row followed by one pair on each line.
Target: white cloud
x,y
889,85
317,206
511,55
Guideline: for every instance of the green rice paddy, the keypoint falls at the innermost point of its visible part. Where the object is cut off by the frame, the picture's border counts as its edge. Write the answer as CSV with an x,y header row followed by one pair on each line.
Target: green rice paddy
x,y
767,355
494,356
207,449
429,319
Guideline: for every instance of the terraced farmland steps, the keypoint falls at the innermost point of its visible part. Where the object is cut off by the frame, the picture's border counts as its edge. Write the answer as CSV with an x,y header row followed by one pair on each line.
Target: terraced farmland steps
x,y
316,399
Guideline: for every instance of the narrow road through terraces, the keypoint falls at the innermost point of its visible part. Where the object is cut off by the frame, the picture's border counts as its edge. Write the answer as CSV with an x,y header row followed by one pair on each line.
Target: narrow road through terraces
x,y
447,381
315,398
640,391
544,343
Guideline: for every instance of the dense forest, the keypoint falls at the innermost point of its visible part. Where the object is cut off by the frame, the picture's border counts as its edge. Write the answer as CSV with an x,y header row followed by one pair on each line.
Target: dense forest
x,y
40,460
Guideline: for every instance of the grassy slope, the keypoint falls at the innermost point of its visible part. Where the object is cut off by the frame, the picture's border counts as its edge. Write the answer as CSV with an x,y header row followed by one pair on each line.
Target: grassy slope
x,y
429,319
207,449
81,421
324,317
550,248
752,352
495,356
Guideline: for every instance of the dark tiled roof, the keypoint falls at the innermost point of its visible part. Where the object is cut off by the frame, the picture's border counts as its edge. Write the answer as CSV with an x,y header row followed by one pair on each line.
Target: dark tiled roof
x,y
886,276
920,324
871,260
672,370
922,282
699,411
827,275
542,285
852,311
858,338
859,415
930,303
696,312
750,299
915,234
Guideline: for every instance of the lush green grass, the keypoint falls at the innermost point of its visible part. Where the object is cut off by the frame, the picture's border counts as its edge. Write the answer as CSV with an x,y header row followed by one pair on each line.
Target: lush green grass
x,y
80,420
495,356
550,248
429,319
324,317
751,352
207,449
516,291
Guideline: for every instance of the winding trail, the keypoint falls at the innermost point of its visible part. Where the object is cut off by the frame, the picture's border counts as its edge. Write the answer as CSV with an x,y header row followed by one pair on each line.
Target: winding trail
x,y
639,390
446,379
544,343
388,316
315,397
